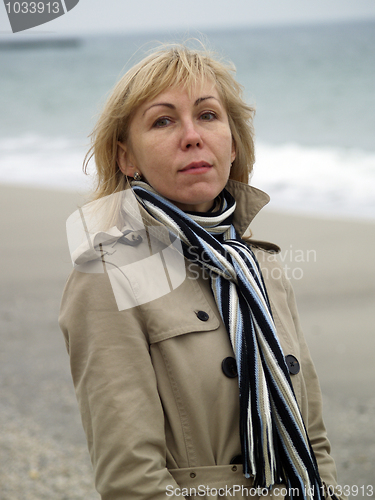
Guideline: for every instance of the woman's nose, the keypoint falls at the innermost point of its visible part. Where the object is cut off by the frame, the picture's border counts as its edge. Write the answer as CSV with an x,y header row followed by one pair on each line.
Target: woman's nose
x,y
191,137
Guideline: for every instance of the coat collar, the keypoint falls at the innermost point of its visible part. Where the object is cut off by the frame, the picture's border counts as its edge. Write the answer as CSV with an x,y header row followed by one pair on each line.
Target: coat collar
x,y
249,201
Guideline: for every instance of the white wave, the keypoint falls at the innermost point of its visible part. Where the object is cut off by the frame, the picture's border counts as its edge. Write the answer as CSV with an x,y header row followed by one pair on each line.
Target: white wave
x,y
328,181
41,161
331,181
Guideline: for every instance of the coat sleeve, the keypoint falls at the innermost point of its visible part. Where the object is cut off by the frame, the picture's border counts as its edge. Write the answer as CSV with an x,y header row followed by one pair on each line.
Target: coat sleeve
x,y
315,425
116,391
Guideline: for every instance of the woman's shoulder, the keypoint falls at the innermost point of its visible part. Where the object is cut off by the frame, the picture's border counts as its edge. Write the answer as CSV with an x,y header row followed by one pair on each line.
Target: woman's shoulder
x,y
273,271
84,294
263,245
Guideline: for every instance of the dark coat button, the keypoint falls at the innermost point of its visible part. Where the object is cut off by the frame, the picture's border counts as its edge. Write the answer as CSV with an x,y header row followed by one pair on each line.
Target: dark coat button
x,y
202,315
293,364
229,367
236,460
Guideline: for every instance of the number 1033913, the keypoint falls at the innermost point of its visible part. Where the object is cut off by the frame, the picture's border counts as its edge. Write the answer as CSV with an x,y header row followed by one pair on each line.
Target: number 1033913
x,y
33,7
354,490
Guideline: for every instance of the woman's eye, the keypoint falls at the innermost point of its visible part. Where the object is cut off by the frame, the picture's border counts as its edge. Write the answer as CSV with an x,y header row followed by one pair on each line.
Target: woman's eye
x,y
161,122
208,116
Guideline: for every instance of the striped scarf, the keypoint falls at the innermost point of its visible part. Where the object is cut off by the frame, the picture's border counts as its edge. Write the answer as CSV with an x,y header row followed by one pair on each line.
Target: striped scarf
x,y
274,441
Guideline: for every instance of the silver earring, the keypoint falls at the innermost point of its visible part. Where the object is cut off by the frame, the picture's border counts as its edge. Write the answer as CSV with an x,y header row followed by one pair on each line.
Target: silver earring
x,y
137,176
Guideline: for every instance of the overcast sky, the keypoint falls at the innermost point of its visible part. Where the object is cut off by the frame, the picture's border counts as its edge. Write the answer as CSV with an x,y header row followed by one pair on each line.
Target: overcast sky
x,y
162,15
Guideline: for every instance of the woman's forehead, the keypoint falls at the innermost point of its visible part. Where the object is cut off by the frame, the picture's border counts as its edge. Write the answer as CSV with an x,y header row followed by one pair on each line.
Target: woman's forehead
x,y
192,90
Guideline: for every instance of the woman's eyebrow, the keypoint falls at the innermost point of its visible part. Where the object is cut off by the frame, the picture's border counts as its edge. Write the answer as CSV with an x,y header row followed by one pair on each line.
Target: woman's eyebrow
x,y
200,99
166,104
172,106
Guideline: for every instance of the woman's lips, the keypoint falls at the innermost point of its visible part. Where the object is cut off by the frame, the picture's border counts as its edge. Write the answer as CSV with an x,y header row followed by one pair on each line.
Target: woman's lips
x,y
196,167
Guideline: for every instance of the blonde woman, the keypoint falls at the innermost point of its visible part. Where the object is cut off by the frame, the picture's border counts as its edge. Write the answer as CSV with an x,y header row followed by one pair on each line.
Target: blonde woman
x,y
191,372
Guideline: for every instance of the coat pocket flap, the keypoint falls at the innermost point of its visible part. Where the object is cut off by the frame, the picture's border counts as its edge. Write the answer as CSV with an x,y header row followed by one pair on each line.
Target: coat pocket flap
x,y
183,310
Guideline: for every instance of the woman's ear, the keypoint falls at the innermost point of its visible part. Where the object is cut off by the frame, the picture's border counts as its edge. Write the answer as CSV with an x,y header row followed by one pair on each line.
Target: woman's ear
x,y
123,160
233,153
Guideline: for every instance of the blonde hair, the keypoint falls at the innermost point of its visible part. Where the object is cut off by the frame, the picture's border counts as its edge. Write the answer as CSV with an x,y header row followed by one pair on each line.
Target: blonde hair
x,y
169,66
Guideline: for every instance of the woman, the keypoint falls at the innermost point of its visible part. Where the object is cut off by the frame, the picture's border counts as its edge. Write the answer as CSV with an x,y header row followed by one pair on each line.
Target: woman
x,y
190,368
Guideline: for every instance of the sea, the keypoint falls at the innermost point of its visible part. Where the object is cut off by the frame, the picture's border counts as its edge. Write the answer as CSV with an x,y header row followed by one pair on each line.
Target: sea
x,y
313,87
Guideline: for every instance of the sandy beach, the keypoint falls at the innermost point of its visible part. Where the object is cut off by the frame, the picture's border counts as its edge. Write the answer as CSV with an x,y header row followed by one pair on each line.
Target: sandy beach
x,y
43,453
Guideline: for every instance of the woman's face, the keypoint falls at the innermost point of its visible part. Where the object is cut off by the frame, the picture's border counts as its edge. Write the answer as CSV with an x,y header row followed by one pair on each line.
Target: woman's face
x,y
182,146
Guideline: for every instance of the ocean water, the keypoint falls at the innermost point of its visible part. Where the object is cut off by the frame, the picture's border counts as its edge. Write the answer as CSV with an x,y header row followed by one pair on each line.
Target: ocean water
x,y
313,88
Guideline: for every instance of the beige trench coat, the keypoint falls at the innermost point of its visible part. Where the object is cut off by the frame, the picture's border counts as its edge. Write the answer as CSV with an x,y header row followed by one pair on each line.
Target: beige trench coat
x,y
160,416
